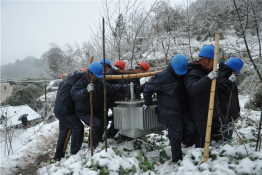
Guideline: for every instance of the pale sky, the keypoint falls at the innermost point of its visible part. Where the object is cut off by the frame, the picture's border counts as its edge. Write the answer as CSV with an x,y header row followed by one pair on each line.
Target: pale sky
x,y
28,27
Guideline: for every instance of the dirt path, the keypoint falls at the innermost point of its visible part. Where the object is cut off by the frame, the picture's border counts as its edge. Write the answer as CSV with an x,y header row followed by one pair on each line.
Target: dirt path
x,y
34,154
48,150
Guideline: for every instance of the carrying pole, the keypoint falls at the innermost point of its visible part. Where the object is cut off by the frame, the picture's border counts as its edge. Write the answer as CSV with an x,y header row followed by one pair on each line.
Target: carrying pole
x,y
104,83
211,101
130,76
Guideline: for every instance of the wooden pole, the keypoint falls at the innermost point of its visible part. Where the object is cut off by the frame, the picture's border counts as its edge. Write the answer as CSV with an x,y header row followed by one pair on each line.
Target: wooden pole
x,y
91,107
67,139
91,119
130,76
211,101
229,103
104,83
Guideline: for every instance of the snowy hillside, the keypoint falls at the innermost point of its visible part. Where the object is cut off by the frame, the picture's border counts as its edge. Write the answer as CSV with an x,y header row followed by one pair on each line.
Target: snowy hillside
x,y
150,155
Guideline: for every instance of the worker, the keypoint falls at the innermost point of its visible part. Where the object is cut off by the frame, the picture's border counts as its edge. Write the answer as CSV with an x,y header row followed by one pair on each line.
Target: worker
x,y
198,84
141,67
171,101
228,91
81,95
107,64
65,113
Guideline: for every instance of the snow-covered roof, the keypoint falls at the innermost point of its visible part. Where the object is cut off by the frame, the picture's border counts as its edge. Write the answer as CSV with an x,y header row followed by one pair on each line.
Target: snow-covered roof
x,y
14,112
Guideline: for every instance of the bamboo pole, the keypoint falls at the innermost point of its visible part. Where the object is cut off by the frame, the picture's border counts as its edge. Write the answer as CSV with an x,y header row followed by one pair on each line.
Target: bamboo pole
x,y
104,83
211,101
130,76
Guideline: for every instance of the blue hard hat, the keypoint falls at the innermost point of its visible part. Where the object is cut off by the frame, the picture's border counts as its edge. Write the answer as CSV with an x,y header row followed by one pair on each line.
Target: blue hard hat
x,y
235,64
107,61
179,64
207,51
97,69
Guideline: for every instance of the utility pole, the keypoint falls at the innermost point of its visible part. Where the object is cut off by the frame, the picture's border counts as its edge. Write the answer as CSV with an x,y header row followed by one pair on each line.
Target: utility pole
x,y
5,131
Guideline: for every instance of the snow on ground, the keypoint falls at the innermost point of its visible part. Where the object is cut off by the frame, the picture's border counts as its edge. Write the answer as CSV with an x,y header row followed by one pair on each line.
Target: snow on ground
x,y
14,112
27,145
150,155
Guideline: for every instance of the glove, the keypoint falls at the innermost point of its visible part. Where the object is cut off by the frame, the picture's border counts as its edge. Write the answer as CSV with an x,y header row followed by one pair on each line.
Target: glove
x,y
126,86
145,107
213,74
233,78
90,87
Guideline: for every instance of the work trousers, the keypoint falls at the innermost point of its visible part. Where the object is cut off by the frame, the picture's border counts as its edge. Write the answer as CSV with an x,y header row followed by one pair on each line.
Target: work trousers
x,y
98,125
65,123
175,134
201,131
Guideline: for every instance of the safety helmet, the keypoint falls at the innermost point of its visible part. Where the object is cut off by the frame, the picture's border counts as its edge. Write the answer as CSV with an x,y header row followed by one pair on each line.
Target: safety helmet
x,y
63,76
97,69
144,65
82,70
179,64
121,64
235,64
207,51
107,61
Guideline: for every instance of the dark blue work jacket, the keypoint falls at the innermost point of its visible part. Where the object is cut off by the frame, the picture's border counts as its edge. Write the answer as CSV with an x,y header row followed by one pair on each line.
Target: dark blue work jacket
x,y
198,87
171,104
225,87
64,104
81,96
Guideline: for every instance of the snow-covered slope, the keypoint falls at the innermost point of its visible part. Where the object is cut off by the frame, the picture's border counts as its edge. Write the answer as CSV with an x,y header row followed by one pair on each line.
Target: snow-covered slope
x,y
150,155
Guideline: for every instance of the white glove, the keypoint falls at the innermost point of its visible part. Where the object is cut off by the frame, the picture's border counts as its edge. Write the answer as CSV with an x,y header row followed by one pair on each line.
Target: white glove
x,y
90,87
233,78
213,74
145,107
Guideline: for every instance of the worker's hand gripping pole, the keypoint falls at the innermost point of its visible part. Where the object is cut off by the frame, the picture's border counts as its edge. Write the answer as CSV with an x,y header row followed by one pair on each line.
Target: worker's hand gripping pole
x,y
211,101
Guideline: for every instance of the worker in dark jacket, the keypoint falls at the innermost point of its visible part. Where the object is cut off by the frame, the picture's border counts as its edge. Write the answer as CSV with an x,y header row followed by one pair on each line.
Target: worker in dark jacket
x,y
171,102
81,95
228,91
198,83
65,113
116,96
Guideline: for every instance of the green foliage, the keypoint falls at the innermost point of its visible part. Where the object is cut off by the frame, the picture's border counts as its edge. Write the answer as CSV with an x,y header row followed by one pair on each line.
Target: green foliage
x,y
163,156
256,102
24,95
104,147
104,171
137,144
117,151
123,171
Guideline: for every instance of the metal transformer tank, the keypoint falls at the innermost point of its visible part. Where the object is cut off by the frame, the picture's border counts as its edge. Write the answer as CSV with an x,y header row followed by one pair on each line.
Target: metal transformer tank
x,y
132,121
